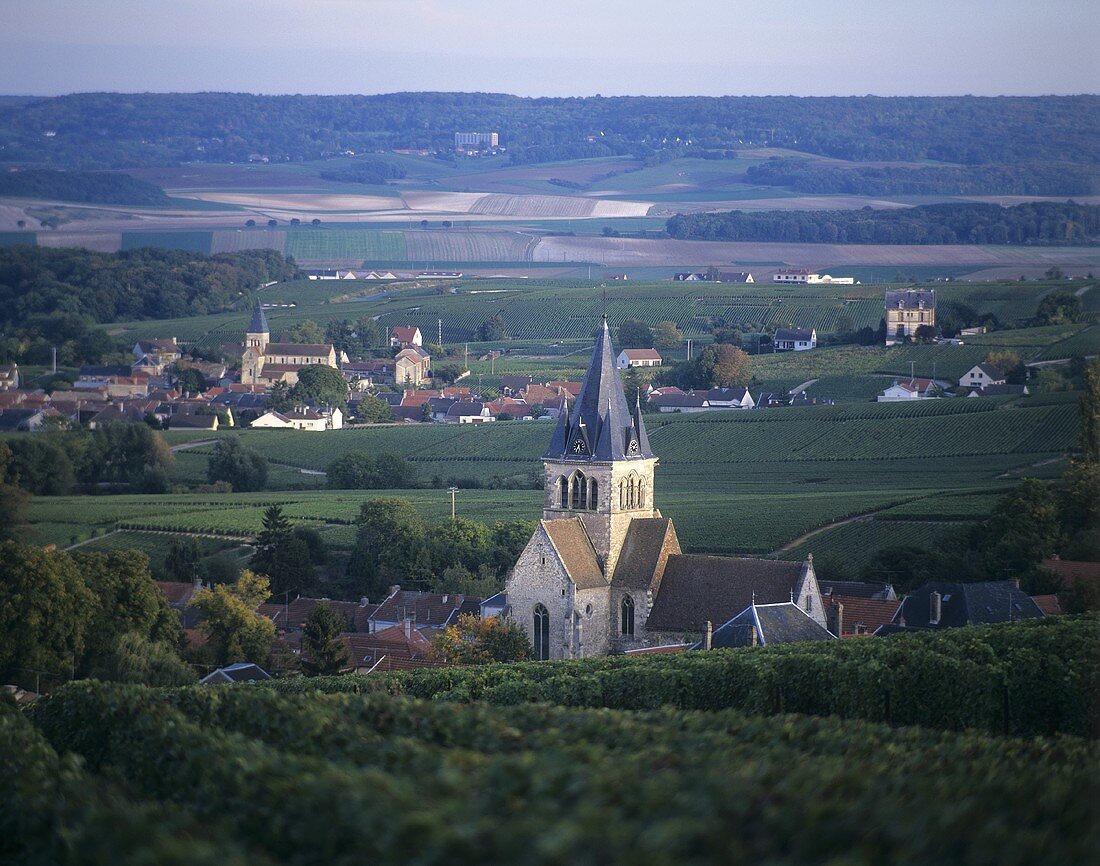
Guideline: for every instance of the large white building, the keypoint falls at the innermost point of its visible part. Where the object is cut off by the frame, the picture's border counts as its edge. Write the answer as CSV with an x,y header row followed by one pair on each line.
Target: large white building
x,y
806,277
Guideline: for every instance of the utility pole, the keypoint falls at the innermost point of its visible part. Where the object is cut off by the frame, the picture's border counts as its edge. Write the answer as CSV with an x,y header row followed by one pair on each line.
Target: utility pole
x,y
55,359
466,357
689,349
439,342
453,491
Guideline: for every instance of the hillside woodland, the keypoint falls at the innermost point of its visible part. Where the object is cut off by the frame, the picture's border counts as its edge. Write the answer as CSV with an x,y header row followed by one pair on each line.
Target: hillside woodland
x,y
111,130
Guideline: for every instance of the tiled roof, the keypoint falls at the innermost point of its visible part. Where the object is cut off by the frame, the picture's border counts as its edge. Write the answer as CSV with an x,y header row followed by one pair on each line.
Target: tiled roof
x,y
177,592
426,608
642,354
575,549
649,542
695,589
308,349
1071,571
405,333
1048,604
863,614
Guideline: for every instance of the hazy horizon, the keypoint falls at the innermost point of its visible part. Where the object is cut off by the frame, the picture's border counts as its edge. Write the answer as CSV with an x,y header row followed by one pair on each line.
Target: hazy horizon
x,y
560,49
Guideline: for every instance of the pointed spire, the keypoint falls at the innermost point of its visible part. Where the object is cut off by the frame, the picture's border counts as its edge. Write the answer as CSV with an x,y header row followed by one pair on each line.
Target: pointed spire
x,y
258,325
602,417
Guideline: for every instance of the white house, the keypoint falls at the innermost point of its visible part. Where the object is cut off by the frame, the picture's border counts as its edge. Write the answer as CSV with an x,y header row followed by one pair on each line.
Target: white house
x,y
638,358
802,276
403,336
795,339
980,376
911,389
301,419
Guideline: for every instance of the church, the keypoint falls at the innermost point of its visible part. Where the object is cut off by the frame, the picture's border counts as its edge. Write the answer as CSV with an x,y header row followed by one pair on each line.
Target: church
x,y
603,571
265,363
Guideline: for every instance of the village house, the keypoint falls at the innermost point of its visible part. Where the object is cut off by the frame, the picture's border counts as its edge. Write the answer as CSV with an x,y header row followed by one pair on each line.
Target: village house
x,y
766,625
981,376
604,570
403,336
912,389
952,605
794,339
306,418
906,311
674,400
804,276
638,358
411,366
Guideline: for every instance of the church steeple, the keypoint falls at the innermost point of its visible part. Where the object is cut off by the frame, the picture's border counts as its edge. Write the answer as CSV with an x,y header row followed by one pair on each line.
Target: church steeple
x,y
601,427
258,334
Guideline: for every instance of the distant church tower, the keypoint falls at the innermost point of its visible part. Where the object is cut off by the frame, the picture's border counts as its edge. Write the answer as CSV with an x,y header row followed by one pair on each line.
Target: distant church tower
x,y
599,466
256,339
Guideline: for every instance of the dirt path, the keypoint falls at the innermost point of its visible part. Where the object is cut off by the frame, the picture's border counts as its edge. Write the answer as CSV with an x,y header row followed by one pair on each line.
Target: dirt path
x,y
867,515
802,387
193,444
90,540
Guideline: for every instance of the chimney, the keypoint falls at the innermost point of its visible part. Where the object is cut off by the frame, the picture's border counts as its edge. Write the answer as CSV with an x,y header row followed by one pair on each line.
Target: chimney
x,y
408,627
197,581
708,638
395,589
755,640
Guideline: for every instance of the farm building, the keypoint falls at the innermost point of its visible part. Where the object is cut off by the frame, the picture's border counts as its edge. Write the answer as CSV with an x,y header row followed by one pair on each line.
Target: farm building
x,y
906,311
794,339
911,389
638,358
603,571
802,276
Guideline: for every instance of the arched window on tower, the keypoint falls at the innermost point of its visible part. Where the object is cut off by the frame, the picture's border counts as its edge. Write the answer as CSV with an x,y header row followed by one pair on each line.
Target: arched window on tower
x,y
641,493
630,491
541,632
622,494
563,491
593,494
626,610
578,489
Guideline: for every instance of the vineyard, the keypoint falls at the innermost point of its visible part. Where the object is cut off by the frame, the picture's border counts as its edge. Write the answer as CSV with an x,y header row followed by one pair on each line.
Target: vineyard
x,y
341,245
461,246
596,761
844,551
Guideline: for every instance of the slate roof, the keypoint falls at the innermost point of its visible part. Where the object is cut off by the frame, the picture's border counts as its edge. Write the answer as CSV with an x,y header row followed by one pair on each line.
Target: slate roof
x,y
575,549
991,372
695,589
426,608
910,299
602,419
679,401
854,588
799,334
306,349
967,604
258,325
241,672
780,623
649,542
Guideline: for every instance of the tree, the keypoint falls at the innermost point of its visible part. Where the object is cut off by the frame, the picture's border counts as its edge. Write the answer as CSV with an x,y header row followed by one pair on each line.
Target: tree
x,y
323,653
1058,308
306,332
374,410
509,539
236,632
473,640
1023,529
667,337
122,452
491,330
721,365
136,659
272,223
181,563
126,601
13,501
281,556
241,467
44,606
925,334
190,380
390,546
360,471
635,334
44,464
1089,409
461,541
315,222
320,385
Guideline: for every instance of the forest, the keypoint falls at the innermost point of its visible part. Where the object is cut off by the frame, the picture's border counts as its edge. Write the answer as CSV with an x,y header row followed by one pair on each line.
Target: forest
x,y
139,284
815,178
1047,223
114,130
98,187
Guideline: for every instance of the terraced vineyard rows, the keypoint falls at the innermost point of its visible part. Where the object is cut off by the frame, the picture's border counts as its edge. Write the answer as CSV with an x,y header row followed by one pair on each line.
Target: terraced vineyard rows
x,y
338,244
236,240
853,545
459,246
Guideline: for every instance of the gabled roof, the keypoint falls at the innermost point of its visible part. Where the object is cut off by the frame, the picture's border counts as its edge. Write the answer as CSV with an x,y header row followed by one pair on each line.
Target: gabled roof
x,y
642,354
425,608
797,334
910,299
855,589
602,421
575,550
868,613
405,333
258,325
648,544
967,604
241,672
990,371
695,589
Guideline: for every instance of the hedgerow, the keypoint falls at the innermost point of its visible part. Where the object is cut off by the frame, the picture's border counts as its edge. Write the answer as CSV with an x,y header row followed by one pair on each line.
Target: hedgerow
x,y
1031,678
340,778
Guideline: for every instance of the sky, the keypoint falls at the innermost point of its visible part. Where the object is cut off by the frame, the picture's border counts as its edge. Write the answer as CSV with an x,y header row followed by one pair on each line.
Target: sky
x,y
553,47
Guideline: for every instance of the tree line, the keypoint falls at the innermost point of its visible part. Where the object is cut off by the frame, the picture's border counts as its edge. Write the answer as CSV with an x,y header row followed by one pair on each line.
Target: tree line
x,y
963,223
101,187
1028,178
113,130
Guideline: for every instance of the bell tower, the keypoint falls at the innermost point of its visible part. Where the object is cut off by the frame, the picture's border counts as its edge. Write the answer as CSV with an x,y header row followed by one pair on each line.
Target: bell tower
x,y
258,334
599,466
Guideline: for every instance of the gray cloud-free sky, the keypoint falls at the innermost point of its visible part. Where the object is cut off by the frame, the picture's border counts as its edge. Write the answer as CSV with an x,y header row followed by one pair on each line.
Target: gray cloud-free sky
x,y
552,48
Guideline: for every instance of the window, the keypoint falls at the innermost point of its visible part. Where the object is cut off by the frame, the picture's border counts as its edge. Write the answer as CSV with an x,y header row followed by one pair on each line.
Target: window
x,y
622,494
542,632
563,490
641,493
577,484
626,611
593,494
809,603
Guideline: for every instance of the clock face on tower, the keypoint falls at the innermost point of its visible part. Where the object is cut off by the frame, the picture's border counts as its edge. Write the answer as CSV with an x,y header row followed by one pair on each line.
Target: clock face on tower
x,y
578,446
633,447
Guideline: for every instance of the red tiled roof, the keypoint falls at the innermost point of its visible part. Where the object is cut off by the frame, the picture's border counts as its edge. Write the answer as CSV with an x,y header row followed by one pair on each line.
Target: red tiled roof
x,y
1071,571
867,613
177,592
642,354
1048,604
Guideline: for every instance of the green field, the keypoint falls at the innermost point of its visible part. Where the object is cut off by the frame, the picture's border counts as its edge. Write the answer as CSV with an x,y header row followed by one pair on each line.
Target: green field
x,y
342,245
194,241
